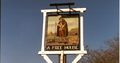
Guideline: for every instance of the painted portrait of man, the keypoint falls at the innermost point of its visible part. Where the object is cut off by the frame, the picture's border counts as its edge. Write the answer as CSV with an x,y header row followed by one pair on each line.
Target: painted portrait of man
x,y
62,28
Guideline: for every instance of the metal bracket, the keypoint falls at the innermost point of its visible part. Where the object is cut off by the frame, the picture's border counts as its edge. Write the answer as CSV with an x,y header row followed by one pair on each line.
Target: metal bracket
x,y
62,4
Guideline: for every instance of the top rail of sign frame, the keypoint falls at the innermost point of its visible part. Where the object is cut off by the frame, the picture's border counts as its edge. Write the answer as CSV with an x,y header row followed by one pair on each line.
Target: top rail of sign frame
x,y
64,9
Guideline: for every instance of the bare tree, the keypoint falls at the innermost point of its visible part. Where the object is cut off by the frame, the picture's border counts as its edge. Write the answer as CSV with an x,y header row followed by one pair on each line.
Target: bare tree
x,y
108,55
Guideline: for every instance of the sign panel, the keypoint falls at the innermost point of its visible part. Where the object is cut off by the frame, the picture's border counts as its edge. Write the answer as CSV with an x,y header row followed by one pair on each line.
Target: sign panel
x,y
62,32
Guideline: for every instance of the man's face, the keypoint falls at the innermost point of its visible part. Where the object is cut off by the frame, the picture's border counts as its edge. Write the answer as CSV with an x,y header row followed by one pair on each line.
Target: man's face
x,y
60,19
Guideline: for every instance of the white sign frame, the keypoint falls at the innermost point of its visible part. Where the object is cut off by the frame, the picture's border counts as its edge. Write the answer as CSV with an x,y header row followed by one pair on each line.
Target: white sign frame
x,y
80,52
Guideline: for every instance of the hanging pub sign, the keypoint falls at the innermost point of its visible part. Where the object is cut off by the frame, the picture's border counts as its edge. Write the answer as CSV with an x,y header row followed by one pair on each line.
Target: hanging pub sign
x,y
62,32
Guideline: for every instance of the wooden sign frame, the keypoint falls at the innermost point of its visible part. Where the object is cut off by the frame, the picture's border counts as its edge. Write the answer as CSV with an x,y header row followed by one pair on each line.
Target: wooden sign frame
x,y
80,52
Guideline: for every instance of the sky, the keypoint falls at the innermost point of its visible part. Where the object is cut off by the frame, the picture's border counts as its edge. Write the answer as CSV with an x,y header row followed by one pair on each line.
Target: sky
x,y
21,27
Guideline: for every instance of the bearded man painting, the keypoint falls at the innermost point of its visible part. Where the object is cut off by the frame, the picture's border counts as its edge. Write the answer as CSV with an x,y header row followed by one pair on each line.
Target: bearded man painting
x,y
62,28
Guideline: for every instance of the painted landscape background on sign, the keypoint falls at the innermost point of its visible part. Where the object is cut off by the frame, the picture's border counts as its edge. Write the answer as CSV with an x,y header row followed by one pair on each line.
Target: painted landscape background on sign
x,y
73,31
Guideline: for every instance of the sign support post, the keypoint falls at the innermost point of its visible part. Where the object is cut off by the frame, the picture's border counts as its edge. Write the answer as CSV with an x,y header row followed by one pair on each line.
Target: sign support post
x,y
62,58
